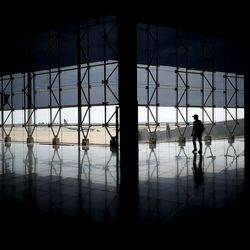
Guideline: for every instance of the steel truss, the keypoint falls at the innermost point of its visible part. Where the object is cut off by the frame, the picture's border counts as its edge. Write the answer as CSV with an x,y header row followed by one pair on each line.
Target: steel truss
x,y
29,105
231,100
84,85
55,85
7,107
152,84
182,85
83,74
105,82
84,82
208,86
29,95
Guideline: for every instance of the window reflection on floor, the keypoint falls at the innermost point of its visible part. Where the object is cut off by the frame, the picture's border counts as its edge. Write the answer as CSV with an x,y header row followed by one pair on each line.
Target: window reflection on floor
x,y
71,181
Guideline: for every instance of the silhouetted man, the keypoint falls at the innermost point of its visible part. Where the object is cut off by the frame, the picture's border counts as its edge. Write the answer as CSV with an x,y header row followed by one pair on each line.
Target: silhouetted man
x,y
198,129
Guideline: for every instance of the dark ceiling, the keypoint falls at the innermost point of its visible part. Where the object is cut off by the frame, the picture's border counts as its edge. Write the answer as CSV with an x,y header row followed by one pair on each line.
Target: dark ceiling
x,y
226,19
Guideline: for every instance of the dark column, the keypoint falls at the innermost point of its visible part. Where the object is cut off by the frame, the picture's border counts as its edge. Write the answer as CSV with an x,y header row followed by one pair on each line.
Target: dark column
x,y
79,84
247,119
128,113
29,92
29,79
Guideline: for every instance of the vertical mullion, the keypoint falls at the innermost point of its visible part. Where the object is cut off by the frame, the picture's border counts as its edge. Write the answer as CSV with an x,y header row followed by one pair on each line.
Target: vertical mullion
x,y
104,73
157,75
88,73
186,84
79,81
148,68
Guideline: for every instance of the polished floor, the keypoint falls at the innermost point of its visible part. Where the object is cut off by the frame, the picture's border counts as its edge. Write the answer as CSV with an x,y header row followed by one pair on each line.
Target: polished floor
x,y
70,194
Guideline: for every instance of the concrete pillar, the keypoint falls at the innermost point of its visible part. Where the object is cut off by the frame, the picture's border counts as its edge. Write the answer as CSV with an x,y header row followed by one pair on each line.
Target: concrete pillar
x,y
128,100
127,42
247,121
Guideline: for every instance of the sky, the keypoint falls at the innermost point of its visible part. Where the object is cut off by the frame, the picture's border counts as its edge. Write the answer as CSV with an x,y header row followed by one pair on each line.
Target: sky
x,y
165,114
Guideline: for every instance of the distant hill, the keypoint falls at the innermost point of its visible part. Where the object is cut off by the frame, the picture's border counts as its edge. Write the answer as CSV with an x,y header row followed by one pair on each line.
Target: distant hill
x,y
219,131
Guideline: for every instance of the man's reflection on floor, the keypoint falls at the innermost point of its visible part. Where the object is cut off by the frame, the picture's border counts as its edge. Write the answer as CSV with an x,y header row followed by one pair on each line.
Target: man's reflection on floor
x,y
197,171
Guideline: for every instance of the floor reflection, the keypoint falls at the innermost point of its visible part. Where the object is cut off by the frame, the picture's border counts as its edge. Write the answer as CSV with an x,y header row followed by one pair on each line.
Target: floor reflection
x,y
198,170
84,183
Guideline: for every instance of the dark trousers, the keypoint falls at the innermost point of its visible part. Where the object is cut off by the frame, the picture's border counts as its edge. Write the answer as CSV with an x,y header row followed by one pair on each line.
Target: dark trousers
x,y
197,136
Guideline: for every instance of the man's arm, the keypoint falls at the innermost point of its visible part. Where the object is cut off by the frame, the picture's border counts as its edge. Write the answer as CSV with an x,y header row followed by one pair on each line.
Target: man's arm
x,y
192,131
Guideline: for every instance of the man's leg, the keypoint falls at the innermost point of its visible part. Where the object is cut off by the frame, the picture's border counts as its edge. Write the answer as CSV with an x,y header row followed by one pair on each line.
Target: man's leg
x,y
200,143
194,142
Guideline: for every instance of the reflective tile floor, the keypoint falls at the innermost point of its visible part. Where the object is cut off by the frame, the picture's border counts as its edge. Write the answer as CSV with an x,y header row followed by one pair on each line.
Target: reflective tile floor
x,y
70,195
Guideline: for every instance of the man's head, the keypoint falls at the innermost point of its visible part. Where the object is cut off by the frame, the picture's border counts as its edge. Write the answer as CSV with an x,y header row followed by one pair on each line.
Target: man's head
x,y
196,117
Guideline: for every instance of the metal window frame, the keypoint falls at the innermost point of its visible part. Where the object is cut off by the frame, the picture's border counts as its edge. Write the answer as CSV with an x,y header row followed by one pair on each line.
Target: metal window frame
x,y
10,111
232,80
55,42
29,103
208,46
84,93
152,38
180,81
